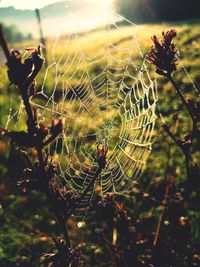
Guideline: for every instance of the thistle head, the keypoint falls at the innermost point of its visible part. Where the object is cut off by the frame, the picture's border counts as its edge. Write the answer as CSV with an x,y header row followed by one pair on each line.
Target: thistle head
x,y
163,53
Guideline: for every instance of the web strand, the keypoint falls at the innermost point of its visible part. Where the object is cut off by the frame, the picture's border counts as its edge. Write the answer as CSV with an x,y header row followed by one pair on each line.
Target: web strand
x,y
106,96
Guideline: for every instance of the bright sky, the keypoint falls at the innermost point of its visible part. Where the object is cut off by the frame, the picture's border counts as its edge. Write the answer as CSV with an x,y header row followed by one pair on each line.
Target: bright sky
x,y
32,4
24,4
91,14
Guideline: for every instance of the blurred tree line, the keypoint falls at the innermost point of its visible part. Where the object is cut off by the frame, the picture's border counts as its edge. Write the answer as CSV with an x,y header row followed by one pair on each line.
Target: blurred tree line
x,y
14,35
158,10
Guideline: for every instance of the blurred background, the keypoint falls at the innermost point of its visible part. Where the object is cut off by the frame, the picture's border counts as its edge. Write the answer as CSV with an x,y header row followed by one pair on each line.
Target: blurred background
x,y
20,17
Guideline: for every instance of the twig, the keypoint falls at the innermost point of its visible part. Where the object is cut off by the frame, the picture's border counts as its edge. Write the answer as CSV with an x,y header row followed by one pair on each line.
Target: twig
x,y
42,39
181,95
186,152
164,206
4,44
32,127
167,129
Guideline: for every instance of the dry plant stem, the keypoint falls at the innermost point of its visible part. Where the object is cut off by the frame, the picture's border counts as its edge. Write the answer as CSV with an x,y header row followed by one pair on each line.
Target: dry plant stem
x,y
40,156
168,161
181,95
48,141
194,127
194,131
43,173
42,39
187,165
31,123
62,223
162,214
166,128
4,44
187,156
25,155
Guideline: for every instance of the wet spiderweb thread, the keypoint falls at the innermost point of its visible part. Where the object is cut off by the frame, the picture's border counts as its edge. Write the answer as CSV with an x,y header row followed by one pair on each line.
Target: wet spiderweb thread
x,y
106,96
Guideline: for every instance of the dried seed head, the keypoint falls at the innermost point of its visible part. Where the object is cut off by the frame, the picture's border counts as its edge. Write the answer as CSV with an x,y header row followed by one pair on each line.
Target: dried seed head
x,y
163,53
101,156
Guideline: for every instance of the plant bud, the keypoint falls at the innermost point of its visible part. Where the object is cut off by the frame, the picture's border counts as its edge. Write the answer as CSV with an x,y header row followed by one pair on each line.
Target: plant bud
x,y
56,127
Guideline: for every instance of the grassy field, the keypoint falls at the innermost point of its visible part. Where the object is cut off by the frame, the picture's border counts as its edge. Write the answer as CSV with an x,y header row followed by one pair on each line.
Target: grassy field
x,y
94,44
19,211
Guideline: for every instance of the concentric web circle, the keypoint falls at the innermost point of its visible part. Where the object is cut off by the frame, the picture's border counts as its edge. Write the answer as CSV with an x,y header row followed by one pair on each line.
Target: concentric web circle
x,y
99,84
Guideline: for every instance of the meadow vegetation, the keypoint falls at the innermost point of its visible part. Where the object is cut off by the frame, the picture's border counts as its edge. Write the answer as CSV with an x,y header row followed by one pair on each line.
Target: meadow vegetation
x,y
26,222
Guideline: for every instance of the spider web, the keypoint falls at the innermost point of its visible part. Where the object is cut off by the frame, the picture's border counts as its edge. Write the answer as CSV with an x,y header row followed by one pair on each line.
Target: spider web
x,y
103,90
